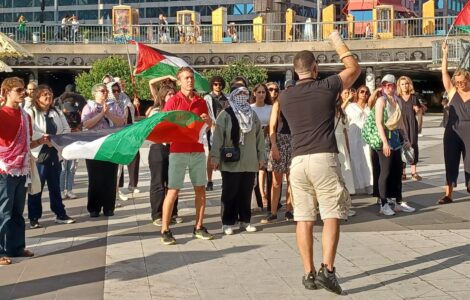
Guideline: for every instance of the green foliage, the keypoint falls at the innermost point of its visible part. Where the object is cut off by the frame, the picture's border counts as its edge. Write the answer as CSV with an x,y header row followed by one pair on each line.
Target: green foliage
x,y
117,67
244,68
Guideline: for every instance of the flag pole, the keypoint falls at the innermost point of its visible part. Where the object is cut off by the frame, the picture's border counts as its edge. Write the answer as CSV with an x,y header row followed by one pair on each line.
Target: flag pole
x,y
134,90
448,32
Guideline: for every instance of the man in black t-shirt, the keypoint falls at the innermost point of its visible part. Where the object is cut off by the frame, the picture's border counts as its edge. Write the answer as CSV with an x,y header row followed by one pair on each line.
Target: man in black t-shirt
x,y
315,173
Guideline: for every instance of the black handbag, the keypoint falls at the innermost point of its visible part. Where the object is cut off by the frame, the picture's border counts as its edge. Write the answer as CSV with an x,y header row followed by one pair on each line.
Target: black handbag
x,y
232,154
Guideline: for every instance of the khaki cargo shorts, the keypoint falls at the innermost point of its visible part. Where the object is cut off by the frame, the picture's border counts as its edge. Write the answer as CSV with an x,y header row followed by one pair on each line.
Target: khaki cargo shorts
x,y
317,186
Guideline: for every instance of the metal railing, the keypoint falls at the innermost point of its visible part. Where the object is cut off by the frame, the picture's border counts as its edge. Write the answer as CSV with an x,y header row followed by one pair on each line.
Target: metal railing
x,y
239,33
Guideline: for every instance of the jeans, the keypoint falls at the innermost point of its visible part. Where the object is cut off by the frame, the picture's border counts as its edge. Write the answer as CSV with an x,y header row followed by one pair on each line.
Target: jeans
x,y
69,167
12,226
49,171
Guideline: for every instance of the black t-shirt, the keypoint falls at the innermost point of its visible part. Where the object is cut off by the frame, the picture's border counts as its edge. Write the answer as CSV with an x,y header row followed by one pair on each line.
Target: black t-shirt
x,y
309,108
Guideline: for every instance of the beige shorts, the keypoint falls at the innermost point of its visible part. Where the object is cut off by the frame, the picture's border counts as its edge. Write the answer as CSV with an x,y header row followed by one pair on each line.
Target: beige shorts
x,y
317,185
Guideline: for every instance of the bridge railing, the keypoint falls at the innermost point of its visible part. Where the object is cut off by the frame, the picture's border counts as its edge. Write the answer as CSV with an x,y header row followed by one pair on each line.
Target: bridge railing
x,y
239,33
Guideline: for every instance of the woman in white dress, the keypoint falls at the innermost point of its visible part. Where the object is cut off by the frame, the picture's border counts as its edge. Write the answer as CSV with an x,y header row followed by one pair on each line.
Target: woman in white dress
x,y
357,113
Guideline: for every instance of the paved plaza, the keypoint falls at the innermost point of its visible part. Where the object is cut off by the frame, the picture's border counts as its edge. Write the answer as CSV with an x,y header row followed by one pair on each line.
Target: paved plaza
x,y
424,255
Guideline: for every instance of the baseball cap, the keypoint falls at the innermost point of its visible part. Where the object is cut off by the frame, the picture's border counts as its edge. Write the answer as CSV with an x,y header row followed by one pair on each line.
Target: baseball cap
x,y
388,78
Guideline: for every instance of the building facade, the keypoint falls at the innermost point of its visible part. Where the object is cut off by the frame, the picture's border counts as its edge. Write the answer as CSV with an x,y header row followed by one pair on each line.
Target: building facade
x,y
99,11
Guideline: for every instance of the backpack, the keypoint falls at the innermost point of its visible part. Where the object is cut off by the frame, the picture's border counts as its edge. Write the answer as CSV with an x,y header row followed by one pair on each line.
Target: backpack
x,y
370,133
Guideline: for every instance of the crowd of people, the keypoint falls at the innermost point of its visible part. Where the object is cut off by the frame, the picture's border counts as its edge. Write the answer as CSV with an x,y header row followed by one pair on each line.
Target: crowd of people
x,y
325,140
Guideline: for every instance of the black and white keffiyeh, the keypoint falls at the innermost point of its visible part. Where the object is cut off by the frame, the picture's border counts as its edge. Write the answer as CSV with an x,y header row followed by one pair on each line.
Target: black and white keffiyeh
x,y
238,100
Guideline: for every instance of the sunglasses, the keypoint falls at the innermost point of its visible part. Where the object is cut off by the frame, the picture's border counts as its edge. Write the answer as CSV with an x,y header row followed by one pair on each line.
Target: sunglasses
x,y
19,90
273,90
363,92
461,82
102,91
116,91
217,84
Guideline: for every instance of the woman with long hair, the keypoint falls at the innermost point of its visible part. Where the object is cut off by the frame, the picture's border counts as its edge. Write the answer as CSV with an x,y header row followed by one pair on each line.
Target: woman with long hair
x,y
262,106
357,113
158,163
101,113
457,131
410,108
47,120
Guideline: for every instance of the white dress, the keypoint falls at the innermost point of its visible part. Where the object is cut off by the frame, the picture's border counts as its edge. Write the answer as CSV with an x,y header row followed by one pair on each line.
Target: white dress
x,y
360,151
343,156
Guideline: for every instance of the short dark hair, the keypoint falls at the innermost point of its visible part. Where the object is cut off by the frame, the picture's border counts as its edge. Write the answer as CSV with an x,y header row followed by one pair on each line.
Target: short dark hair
x,y
184,69
239,78
304,61
217,79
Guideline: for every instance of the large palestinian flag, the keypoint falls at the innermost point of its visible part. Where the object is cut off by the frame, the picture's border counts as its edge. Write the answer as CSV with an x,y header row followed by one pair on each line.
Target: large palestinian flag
x,y
152,63
120,145
463,18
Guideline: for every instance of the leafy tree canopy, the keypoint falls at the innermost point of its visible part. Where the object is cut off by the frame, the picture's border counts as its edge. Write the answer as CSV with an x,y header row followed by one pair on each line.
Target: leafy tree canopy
x,y
117,67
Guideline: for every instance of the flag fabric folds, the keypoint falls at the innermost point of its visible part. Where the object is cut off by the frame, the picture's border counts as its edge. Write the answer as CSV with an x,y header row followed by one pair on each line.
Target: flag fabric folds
x,y
120,145
462,21
152,63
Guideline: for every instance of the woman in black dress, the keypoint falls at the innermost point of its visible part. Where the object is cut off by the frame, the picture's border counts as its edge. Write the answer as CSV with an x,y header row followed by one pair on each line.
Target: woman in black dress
x,y
457,131
410,106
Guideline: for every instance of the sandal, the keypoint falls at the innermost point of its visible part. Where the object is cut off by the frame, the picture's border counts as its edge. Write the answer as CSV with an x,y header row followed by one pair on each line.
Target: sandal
x,y
5,261
26,253
444,200
416,177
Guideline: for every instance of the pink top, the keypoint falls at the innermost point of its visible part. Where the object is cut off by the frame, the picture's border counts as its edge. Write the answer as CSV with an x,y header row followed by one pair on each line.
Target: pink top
x,y
92,109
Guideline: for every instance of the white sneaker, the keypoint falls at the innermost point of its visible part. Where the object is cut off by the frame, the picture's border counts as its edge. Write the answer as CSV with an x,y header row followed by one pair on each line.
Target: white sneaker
x,y
71,195
123,196
227,229
386,210
405,207
64,195
248,227
420,135
133,190
351,213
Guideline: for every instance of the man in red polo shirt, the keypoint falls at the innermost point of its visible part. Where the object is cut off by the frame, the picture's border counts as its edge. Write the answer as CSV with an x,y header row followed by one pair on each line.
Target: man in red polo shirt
x,y
186,155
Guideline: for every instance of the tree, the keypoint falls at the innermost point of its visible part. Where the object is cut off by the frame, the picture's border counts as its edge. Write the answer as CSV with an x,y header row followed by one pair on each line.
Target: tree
x,y
244,68
117,67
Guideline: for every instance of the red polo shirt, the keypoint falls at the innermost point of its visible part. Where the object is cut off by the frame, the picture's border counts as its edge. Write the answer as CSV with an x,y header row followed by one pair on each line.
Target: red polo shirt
x,y
195,105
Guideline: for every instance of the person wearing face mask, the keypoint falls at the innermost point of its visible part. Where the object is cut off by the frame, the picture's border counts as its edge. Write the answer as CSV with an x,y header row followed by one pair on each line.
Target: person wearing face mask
x,y
238,127
47,120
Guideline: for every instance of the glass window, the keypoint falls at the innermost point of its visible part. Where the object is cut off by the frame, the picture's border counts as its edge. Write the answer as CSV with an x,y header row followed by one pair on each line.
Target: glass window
x,y
154,12
110,1
8,17
85,2
174,9
250,9
67,2
23,3
107,13
88,15
5,3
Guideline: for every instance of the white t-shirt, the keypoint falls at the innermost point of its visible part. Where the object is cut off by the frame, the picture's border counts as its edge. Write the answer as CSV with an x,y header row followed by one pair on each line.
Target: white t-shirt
x,y
263,113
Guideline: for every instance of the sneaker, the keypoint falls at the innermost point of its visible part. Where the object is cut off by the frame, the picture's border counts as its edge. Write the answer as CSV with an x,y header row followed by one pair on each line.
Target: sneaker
x,y
123,196
328,280
167,238
351,213
133,190
420,135
117,204
309,281
386,210
269,219
227,229
157,222
289,216
210,186
64,195
71,195
202,233
64,220
403,206
34,223
247,227
177,220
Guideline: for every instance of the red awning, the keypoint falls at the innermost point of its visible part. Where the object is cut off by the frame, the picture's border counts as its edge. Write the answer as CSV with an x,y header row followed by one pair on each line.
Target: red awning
x,y
359,6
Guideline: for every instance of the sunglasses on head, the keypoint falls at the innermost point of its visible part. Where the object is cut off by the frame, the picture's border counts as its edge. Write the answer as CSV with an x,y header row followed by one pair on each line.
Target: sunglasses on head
x,y
116,91
273,90
102,91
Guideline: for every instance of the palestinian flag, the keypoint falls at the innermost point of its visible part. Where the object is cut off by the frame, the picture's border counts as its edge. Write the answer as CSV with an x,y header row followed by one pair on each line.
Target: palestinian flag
x,y
462,21
120,145
153,63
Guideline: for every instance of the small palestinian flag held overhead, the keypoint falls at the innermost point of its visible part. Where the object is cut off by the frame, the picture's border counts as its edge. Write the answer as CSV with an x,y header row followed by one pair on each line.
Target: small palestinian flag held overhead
x,y
120,145
153,63
462,21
